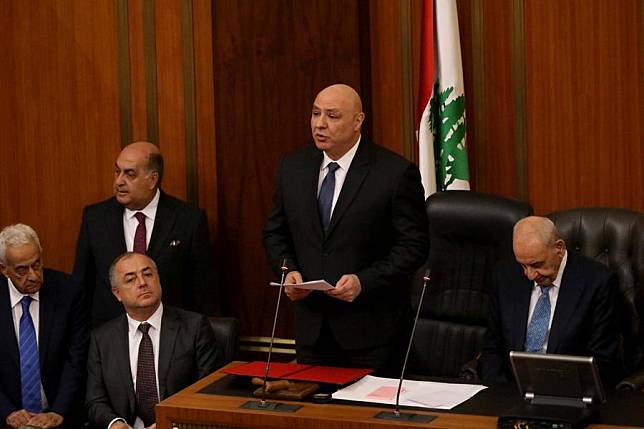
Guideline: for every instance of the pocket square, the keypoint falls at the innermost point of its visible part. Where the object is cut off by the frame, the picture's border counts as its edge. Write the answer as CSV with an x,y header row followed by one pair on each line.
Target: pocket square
x,y
175,243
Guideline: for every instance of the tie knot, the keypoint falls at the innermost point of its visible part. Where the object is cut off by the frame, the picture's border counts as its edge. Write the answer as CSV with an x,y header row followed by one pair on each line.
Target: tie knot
x,y
144,327
140,216
545,290
332,167
26,301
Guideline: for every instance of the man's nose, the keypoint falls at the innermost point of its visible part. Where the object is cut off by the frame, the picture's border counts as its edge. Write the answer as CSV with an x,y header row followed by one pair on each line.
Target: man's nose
x,y
320,121
530,273
140,281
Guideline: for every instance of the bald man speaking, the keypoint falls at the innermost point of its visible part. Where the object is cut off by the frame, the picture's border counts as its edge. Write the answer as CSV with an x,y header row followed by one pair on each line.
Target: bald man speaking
x,y
352,213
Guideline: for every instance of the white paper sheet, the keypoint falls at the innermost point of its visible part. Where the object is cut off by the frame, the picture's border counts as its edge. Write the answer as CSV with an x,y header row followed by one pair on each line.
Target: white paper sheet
x,y
313,285
425,394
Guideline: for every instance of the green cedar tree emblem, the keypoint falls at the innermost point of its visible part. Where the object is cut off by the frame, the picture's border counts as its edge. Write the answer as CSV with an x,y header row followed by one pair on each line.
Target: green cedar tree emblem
x,y
447,125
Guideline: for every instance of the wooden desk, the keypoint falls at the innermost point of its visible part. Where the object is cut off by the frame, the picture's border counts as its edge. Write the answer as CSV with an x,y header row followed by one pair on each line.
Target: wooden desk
x,y
191,410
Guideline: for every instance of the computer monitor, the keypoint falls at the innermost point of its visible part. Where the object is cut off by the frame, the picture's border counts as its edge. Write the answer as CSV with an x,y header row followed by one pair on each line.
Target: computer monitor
x,y
557,379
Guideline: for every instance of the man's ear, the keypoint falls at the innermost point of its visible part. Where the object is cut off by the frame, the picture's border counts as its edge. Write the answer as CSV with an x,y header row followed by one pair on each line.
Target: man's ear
x,y
560,245
3,270
359,120
155,179
116,293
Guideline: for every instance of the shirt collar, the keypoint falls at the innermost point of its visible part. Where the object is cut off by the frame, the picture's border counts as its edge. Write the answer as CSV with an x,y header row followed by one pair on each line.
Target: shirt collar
x,y
15,296
345,160
154,320
149,211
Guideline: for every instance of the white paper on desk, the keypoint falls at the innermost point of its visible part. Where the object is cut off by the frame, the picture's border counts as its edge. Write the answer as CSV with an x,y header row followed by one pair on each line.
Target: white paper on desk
x,y
427,394
312,285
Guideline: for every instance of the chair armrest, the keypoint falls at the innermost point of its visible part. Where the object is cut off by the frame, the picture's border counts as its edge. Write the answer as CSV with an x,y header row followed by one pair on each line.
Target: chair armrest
x,y
633,382
469,371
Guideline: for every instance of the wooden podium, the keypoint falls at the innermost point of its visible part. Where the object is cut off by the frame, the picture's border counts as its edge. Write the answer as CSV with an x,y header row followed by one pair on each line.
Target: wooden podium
x,y
191,410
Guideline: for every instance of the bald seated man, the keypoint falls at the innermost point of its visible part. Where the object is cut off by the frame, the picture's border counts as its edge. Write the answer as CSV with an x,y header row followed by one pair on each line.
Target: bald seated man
x,y
140,217
550,300
352,213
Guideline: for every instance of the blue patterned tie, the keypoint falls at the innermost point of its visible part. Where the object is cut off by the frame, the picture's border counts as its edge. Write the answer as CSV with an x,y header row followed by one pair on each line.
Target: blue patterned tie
x,y
325,198
538,327
29,361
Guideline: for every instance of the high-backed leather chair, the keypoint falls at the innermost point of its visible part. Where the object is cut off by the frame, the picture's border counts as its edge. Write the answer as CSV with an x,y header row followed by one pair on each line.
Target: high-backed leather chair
x,y
469,232
227,337
614,237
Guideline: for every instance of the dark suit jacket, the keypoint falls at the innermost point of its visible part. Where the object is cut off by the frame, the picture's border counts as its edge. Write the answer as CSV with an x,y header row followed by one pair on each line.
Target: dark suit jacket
x,y
63,337
584,323
378,231
179,245
187,353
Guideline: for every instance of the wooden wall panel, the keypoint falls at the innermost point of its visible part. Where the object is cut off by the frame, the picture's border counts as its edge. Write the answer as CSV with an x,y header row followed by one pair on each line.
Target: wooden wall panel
x,y
493,154
59,116
584,69
170,94
270,62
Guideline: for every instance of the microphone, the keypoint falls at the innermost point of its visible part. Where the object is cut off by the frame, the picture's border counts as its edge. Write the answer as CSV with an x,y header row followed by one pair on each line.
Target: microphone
x,y
263,404
397,415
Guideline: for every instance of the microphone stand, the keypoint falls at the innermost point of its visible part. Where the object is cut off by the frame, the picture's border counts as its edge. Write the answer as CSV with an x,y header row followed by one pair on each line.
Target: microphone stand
x,y
263,404
397,415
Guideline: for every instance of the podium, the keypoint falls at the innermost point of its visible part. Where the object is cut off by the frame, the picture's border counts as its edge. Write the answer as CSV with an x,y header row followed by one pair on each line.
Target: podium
x,y
189,409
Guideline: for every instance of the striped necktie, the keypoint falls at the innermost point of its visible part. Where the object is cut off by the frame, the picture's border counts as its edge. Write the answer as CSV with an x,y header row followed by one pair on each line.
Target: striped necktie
x,y
325,197
29,361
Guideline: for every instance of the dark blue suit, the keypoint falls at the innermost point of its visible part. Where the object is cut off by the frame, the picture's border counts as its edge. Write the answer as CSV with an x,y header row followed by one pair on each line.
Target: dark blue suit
x,y
63,339
584,322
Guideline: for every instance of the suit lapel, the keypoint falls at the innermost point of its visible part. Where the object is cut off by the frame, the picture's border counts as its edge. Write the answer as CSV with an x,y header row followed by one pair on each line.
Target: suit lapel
x,y
311,178
570,292
7,329
47,320
114,233
353,181
167,339
520,313
122,360
163,222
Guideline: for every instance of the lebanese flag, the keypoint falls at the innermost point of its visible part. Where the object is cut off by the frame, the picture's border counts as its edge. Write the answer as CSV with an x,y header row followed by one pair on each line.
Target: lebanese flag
x,y
440,119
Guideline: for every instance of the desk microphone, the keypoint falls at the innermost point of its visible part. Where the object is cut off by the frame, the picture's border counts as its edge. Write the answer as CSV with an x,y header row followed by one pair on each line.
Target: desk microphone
x,y
397,415
263,404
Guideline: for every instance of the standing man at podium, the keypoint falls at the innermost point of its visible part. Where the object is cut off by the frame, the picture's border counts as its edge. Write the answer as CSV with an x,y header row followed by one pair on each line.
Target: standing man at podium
x,y
352,213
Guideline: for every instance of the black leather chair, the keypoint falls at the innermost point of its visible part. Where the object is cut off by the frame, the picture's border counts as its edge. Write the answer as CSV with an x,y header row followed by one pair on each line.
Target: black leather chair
x,y
469,232
227,337
615,237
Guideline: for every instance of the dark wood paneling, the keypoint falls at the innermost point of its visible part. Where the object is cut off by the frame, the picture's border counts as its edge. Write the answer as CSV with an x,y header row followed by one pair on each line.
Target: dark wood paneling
x,y
270,62
137,70
59,116
170,94
584,69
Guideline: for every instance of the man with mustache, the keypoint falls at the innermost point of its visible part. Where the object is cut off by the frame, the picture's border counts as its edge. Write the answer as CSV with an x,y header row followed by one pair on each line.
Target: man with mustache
x,y
140,217
352,213
550,300
44,328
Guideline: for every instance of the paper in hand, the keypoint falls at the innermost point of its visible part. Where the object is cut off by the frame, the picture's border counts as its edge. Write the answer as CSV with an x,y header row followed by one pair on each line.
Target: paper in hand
x,y
312,285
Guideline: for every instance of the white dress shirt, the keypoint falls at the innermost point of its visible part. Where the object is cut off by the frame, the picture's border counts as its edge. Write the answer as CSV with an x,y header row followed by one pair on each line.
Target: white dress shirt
x,y
134,340
340,174
15,296
130,222
553,295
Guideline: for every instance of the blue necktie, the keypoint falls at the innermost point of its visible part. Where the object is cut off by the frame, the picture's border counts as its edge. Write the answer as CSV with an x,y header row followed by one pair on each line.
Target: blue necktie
x,y
538,327
325,198
29,361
